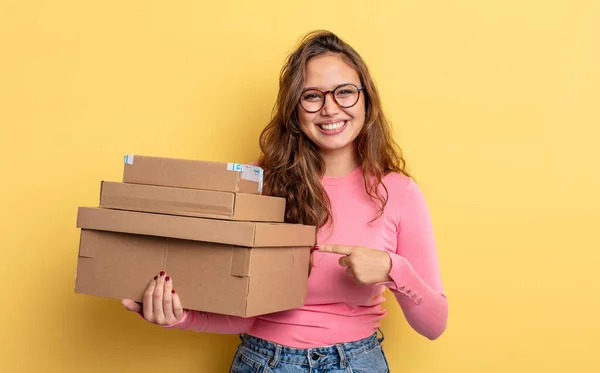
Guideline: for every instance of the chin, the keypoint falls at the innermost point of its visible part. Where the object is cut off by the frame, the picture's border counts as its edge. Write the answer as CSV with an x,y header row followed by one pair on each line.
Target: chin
x,y
333,145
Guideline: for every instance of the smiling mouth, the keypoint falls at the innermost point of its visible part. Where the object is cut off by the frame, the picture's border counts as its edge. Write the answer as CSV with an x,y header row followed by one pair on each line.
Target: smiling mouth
x,y
332,126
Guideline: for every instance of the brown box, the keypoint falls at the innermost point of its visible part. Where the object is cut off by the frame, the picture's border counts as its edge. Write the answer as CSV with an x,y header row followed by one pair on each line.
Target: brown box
x,y
193,174
192,202
227,267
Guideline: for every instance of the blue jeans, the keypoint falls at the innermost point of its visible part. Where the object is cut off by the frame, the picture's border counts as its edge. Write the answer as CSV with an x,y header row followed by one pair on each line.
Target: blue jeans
x,y
256,355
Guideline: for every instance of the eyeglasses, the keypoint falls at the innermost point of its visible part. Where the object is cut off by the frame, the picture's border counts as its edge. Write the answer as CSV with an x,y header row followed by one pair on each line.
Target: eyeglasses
x,y
346,96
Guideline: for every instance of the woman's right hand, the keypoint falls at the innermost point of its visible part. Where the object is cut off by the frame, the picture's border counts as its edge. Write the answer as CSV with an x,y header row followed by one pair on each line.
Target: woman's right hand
x,y
161,304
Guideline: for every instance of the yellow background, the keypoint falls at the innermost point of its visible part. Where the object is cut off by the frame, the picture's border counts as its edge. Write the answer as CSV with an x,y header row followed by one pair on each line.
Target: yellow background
x,y
495,103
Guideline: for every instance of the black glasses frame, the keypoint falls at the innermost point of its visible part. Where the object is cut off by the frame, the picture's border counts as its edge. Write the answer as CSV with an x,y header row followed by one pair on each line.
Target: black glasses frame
x,y
332,96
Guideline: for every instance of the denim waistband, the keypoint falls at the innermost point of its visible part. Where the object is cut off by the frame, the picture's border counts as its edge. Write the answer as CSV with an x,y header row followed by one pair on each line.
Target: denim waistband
x,y
333,354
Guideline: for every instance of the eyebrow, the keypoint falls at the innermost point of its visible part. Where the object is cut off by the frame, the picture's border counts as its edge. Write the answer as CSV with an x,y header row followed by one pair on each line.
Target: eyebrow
x,y
339,85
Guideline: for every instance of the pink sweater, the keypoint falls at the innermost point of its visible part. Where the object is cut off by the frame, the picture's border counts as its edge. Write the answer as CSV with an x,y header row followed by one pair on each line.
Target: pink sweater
x,y
336,308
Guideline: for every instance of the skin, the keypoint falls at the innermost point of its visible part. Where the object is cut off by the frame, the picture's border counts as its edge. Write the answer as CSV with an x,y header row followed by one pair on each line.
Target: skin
x,y
162,306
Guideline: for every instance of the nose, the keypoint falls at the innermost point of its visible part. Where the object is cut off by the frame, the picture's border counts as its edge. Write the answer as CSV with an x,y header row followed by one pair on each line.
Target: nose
x,y
330,107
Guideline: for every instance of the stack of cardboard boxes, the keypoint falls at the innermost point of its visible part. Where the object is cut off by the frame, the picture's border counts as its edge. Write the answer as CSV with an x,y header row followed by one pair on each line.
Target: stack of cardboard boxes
x,y
207,225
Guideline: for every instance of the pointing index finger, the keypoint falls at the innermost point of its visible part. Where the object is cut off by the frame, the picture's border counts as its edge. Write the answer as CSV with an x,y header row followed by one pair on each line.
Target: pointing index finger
x,y
337,249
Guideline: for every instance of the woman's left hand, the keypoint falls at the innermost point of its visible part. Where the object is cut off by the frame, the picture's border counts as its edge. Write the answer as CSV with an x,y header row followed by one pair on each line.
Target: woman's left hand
x,y
367,266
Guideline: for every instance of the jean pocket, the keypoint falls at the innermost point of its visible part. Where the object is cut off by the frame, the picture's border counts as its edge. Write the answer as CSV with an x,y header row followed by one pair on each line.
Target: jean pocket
x,y
245,362
370,361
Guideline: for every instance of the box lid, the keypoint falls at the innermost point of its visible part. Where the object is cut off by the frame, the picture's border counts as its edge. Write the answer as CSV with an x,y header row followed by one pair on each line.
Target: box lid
x,y
240,233
193,174
161,199
192,202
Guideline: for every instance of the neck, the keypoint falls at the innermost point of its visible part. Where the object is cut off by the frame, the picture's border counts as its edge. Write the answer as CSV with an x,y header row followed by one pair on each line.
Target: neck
x,y
340,162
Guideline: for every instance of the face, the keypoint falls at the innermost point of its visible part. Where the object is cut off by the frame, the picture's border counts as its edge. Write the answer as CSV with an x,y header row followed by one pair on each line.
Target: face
x,y
332,128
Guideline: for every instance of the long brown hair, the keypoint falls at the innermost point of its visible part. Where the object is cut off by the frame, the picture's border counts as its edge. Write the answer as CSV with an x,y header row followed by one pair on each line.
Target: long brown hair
x,y
292,163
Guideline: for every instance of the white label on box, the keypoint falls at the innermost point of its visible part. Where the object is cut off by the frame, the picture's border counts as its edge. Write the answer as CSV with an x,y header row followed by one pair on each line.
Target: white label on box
x,y
129,159
252,173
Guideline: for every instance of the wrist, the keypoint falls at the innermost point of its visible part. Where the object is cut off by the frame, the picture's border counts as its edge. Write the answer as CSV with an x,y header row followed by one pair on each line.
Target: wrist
x,y
388,266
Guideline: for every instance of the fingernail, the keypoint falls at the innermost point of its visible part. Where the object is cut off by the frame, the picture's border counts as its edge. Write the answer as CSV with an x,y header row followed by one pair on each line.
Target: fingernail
x,y
167,278
155,277
172,291
162,273
316,247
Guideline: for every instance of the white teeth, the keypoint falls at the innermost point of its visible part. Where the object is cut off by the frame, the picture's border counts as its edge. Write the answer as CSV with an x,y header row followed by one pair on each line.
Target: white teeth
x,y
333,126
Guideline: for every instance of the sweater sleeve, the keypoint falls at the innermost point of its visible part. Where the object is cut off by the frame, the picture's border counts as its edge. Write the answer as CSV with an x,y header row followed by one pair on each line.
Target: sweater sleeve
x,y
212,323
416,280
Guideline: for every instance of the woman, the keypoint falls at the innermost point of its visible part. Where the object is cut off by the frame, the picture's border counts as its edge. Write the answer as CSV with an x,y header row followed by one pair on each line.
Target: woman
x,y
329,151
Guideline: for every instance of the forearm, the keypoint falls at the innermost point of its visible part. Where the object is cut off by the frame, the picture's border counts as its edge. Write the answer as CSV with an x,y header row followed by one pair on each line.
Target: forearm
x,y
212,323
425,309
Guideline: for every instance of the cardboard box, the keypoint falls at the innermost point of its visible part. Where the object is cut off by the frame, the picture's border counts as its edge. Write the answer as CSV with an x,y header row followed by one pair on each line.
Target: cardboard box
x,y
193,174
192,202
228,267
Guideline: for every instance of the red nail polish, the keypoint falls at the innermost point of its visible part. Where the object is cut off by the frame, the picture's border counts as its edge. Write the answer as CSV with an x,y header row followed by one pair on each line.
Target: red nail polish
x,y
162,273
155,277
167,278
172,291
